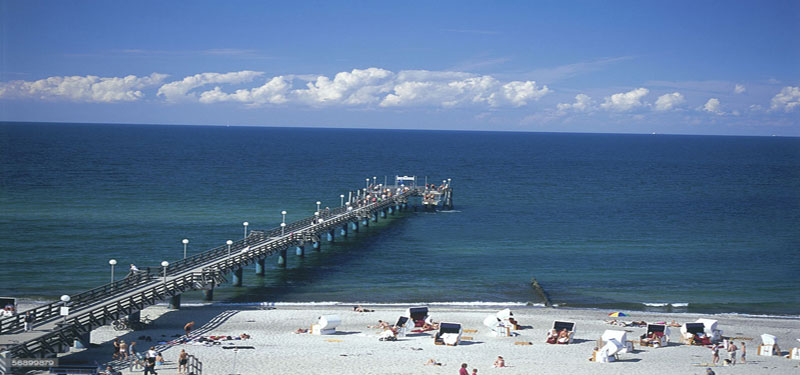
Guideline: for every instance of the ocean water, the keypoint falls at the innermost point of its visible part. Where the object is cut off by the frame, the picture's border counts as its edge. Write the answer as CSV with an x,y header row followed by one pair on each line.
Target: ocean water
x,y
639,222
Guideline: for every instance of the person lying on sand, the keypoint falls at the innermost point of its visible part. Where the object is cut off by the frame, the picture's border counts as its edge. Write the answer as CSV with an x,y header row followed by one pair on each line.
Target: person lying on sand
x,y
381,324
361,309
432,362
301,330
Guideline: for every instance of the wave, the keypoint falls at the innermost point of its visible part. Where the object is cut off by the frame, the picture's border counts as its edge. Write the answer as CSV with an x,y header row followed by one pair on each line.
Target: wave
x,y
665,304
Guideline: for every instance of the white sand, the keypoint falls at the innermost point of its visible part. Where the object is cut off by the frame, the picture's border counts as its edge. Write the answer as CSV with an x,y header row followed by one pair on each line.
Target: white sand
x,y
355,349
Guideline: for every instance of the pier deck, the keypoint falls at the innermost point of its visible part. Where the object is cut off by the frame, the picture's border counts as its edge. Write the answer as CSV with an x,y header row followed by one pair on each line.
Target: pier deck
x,y
53,333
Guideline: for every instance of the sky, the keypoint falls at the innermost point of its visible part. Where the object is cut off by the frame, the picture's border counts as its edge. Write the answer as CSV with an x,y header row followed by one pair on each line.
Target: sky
x,y
677,67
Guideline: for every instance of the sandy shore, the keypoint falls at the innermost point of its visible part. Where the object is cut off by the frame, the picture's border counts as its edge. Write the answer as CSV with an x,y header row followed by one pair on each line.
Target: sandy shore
x,y
355,349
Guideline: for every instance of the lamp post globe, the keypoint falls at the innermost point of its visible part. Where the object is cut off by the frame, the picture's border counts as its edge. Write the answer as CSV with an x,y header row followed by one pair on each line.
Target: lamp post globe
x,y
65,298
283,214
283,228
367,184
318,203
245,224
229,243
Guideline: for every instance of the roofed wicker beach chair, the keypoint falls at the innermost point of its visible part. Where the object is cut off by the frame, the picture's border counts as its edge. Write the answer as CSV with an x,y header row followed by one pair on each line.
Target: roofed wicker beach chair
x,y
657,335
561,333
449,334
326,325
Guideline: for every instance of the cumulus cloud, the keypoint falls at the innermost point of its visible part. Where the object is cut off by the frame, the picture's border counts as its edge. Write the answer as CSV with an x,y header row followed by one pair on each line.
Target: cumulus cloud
x,y
180,90
667,102
739,89
712,106
272,92
787,100
361,87
582,104
625,101
82,88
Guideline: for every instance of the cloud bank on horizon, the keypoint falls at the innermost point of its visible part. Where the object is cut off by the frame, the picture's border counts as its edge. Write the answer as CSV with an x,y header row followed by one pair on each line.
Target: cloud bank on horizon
x,y
359,87
371,87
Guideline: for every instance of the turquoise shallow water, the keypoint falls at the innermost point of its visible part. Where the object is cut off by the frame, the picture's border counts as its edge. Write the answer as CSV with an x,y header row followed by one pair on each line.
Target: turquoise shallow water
x,y
699,223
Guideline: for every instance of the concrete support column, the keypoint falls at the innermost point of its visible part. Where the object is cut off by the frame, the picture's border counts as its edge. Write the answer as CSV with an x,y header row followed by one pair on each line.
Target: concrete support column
x,y
404,206
375,217
175,302
330,235
282,258
208,294
238,275
354,225
260,266
383,213
365,221
82,341
343,230
300,251
134,317
390,209
316,245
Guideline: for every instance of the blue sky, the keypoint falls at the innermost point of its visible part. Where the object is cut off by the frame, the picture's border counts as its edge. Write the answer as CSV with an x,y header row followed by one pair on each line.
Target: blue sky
x,y
681,67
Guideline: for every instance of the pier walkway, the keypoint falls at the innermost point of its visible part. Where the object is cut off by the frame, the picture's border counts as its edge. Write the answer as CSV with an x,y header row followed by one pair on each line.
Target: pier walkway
x,y
54,332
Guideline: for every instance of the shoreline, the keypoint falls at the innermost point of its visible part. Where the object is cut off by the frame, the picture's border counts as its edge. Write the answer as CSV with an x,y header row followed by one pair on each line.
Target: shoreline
x,y
354,348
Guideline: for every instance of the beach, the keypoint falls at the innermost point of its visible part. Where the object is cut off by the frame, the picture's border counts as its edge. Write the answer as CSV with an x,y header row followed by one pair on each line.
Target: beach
x,y
355,349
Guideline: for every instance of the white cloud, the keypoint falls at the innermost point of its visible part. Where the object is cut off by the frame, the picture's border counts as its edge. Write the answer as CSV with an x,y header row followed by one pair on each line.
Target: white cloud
x,y
272,92
82,88
788,99
625,101
179,90
712,106
669,101
582,104
739,89
358,87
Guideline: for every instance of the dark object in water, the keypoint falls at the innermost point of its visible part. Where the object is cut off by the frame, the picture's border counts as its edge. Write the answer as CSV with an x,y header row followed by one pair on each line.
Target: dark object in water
x,y
540,292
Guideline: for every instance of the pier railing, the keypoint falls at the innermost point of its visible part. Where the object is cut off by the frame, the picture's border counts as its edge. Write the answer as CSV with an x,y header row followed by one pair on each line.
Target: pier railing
x,y
102,305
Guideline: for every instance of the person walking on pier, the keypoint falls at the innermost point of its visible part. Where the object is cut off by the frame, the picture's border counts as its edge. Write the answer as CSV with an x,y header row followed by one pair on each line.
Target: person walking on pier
x,y
29,319
134,270
183,360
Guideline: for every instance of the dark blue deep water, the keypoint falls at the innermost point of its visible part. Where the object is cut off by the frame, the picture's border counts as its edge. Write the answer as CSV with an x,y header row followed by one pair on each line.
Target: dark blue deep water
x,y
699,223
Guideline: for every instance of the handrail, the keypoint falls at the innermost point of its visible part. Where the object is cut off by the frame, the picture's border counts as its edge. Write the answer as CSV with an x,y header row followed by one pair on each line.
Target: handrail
x,y
215,263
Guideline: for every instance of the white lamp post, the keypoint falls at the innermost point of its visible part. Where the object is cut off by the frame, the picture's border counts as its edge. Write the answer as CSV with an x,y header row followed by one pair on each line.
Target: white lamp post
x,y
448,182
112,262
342,198
65,309
374,180
318,203
229,242
185,242
165,264
283,228
283,219
245,228
367,185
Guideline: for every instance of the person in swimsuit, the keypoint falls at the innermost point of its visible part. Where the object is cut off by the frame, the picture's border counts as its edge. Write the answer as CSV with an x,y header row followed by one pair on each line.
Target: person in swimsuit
x,y
183,359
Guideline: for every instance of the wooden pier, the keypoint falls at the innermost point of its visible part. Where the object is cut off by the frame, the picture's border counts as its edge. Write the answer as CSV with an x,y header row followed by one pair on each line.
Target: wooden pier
x,y
100,306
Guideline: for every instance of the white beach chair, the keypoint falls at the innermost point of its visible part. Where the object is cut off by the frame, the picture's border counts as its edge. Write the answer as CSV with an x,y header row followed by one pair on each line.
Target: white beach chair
x,y
659,331
326,325
558,326
449,334
506,317
496,326
710,329
795,352
689,330
402,325
419,315
769,346
620,337
609,351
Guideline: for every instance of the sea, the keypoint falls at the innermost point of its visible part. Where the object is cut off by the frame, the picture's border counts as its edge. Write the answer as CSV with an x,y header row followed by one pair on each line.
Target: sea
x,y
674,223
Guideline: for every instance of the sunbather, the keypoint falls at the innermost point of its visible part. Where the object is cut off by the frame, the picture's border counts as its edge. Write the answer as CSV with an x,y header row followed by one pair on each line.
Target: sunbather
x,y
563,337
381,324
